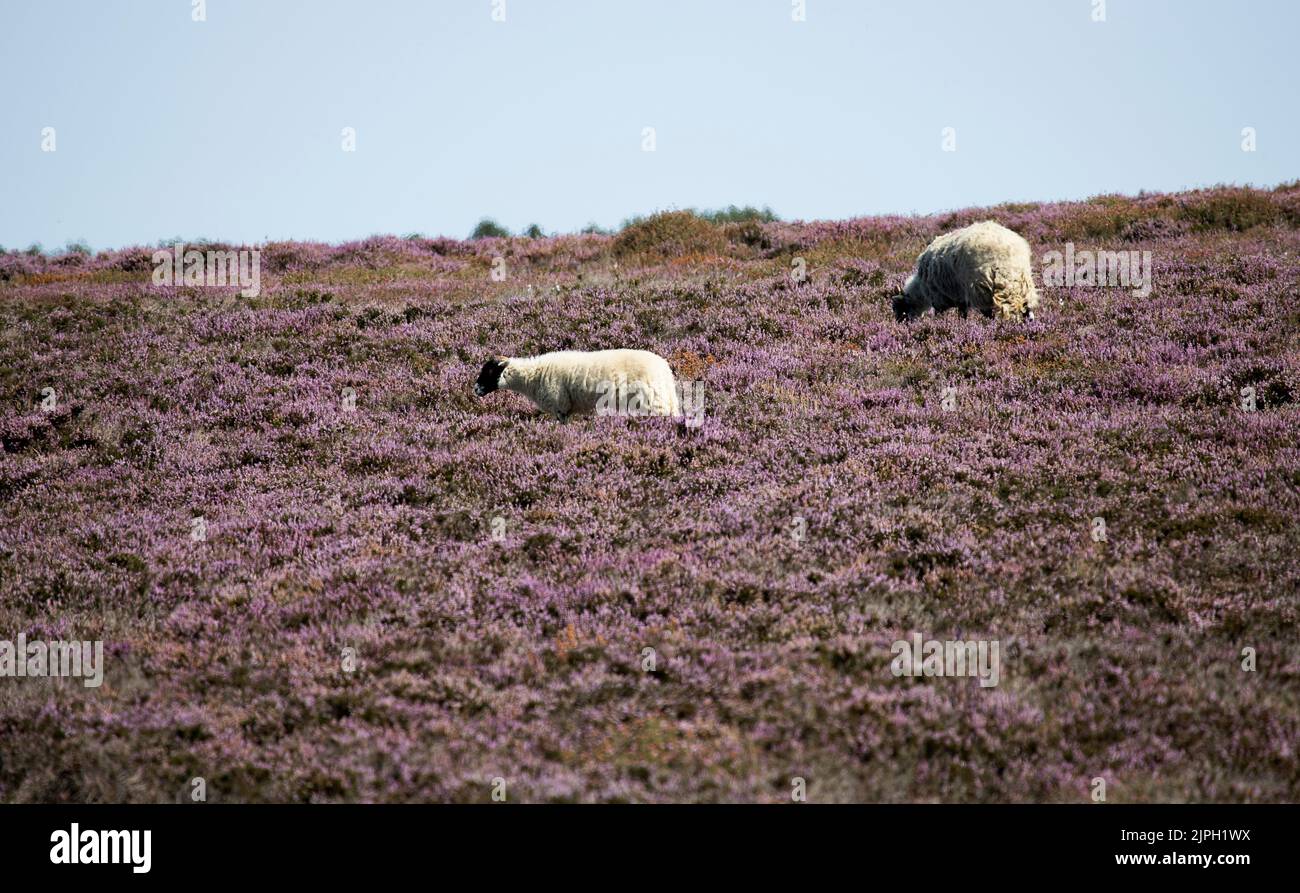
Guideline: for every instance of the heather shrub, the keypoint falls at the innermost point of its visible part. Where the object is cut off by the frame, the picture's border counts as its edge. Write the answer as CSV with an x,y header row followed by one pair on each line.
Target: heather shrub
x,y
372,252
1103,217
279,257
1236,210
749,233
14,264
669,234
1153,228
860,273
128,260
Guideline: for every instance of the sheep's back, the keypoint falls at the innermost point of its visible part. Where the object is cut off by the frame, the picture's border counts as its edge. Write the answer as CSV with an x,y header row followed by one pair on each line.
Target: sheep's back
x,y
984,266
588,374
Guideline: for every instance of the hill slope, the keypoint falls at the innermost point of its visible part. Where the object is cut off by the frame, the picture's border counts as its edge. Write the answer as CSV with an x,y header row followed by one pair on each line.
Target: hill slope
x,y
829,505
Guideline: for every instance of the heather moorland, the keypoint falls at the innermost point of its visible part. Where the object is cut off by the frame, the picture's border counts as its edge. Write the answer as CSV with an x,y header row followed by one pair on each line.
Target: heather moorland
x,y
402,592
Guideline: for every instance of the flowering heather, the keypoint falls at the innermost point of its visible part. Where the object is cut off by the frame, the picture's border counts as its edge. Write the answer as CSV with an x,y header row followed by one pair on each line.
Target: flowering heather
x,y
399,592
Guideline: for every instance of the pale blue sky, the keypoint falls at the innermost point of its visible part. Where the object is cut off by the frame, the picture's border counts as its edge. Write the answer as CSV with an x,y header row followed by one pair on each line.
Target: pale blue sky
x,y
230,128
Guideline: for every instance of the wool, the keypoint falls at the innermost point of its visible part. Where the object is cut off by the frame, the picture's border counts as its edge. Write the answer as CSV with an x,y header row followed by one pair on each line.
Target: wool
x,y
572,382
985,267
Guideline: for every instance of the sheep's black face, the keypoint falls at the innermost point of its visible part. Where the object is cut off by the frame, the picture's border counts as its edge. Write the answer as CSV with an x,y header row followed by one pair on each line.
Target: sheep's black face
x,y
908,308
489,377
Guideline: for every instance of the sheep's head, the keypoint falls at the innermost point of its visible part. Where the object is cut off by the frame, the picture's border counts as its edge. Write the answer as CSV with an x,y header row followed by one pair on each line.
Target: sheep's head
x,y
489,377
912,302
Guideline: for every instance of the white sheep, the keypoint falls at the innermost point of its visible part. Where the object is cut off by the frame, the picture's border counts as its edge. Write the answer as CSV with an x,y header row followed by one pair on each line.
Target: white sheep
x,y
984,266
577,382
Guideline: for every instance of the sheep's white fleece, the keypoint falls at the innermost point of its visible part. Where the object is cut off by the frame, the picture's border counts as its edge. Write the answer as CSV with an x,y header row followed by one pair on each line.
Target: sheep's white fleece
x,y
572,382
984,266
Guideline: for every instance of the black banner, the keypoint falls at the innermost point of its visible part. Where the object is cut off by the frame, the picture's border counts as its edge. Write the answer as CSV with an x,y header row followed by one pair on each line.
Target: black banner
x,y
298,842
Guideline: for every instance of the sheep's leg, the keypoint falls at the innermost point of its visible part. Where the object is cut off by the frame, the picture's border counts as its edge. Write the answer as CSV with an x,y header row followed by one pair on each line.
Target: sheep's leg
x,y
562,408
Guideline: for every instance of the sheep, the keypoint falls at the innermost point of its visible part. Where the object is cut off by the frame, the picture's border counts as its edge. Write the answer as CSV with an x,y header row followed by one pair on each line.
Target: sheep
x,y
984,266
576,382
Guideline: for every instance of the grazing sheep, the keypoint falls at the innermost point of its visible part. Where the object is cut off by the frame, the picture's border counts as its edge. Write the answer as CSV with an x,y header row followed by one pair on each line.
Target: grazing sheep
x,y
576,382
984,266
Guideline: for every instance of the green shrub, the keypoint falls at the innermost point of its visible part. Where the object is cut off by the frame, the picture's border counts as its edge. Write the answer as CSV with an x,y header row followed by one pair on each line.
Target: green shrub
x,y
534,231
733,214
489,229
1017,207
